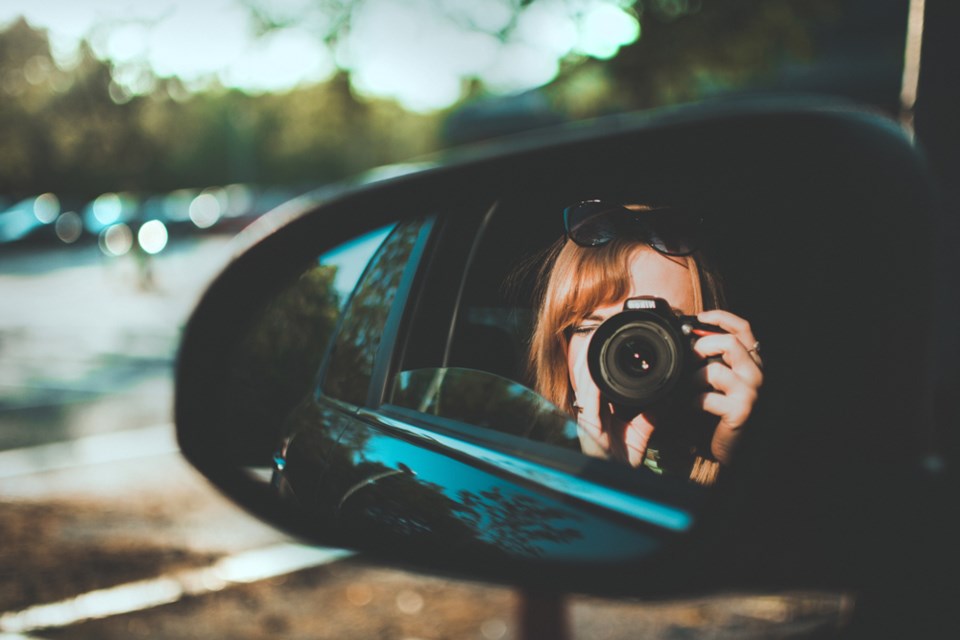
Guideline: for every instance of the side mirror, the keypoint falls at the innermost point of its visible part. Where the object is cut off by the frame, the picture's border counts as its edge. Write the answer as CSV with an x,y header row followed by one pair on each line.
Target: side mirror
x,y
395,416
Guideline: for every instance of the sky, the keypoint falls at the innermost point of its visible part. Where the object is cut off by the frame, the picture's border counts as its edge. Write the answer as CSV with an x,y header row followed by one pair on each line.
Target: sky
x,y
417,52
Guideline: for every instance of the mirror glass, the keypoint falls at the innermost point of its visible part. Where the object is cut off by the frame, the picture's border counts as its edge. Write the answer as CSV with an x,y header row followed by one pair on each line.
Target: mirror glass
x,y
417,334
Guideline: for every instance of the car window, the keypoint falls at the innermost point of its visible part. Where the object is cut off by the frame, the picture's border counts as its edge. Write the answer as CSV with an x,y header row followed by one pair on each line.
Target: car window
x,y
352,358
350,259
276,361
494,319
485,400
480,378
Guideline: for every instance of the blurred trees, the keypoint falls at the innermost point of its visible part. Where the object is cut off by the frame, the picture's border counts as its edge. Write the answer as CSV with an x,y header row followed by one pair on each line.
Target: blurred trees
x,y
686,49
696,48
75,130
692,48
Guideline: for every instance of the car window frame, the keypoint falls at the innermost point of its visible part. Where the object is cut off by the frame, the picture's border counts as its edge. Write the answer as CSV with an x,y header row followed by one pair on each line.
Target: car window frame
x,y
452,245
399,311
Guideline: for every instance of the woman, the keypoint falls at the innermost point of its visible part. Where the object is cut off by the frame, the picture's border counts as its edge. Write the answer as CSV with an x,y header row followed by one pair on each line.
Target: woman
x,y
612,253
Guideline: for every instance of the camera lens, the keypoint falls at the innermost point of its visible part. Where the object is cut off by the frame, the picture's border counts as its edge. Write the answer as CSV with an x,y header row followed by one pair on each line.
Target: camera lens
x,y
636,358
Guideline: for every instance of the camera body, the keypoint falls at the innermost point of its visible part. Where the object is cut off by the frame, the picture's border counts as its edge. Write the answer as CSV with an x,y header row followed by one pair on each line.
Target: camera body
x,y
644,354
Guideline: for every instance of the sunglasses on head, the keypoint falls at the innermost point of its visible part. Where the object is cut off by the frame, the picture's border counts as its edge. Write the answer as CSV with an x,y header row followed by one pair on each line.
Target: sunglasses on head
x,y
594,223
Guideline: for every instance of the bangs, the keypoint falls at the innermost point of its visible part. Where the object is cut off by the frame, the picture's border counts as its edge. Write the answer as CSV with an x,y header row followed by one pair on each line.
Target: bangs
x,y
587,278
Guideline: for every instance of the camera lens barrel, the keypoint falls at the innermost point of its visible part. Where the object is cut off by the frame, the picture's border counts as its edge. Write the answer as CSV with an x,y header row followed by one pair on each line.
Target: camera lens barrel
x,y
637,357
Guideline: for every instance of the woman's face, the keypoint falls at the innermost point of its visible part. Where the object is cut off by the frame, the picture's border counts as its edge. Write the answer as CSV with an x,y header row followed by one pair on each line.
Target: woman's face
x,y
651,274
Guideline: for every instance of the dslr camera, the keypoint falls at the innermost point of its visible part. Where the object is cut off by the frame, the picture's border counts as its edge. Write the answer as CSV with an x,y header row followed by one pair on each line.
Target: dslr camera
x,y
644,354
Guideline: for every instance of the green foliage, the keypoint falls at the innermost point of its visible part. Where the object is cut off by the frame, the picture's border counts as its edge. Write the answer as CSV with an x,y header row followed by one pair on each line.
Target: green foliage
x,y
74,130
690,49
274,365
354,352
725,43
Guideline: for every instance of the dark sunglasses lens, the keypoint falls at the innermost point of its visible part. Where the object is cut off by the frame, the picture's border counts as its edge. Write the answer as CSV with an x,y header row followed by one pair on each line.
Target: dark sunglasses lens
x,y
672,232
591,224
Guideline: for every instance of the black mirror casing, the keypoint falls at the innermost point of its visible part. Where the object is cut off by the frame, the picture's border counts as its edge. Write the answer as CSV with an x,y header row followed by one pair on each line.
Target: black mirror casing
x,y
824,218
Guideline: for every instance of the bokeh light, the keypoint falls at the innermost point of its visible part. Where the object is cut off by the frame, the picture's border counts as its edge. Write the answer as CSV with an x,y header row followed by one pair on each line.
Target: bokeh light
x,y
116,240
266,64
46,208
107,208
548,25
359,595
421,53
409,602
606,28
239,199
152,236
493,629
520,66
69,227
422,57
176,205
205,210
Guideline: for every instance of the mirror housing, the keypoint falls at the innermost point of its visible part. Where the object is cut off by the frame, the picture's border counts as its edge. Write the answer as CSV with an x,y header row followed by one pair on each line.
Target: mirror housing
x,y
824,218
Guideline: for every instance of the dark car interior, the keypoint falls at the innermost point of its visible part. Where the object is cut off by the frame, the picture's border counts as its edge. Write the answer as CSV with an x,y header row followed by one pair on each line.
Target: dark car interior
x,y
495,314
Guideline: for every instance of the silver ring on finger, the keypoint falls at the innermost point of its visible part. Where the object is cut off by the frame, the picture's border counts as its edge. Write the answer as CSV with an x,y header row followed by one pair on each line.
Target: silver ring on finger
x,y
754,352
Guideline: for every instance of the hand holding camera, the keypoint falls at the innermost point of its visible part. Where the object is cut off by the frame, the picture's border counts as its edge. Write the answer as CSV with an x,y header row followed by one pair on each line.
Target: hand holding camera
x,y
647,369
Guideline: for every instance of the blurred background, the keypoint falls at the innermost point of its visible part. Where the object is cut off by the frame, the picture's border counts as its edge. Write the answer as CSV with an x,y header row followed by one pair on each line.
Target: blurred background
x,y
136,141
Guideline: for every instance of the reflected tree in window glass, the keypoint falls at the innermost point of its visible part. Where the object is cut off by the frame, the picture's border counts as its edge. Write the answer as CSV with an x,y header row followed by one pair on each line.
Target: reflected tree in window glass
x,y
355,348
276,363
277,359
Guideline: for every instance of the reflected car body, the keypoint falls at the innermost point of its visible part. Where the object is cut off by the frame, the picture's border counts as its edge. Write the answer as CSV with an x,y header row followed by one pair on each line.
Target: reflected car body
x,y
359,476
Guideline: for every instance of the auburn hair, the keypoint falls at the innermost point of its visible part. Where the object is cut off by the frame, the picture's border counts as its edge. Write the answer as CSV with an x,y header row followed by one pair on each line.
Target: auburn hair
x,y
572,282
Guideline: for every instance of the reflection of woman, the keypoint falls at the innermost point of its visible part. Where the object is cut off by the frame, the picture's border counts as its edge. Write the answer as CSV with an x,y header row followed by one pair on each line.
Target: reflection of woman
x,y
612,253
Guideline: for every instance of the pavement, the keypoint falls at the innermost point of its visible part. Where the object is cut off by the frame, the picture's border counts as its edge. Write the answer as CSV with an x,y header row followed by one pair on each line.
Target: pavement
x,y
89,466
77,326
